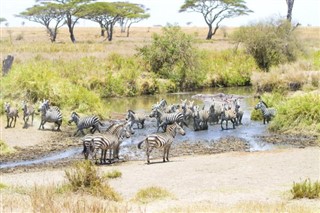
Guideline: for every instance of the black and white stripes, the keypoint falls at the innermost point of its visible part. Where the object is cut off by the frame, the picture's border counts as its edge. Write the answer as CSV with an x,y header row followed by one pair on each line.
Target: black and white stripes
x,y
51,115
267,113
92,122
11,113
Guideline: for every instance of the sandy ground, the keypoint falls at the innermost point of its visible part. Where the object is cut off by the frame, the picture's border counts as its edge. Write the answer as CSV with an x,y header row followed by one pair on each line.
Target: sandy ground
x,y
222,179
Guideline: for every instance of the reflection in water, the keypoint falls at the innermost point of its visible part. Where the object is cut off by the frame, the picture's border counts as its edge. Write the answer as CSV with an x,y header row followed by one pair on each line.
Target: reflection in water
x,y
248,131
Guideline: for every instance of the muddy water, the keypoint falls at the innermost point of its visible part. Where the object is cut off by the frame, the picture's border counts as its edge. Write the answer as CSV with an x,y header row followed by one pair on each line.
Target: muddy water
x,y
248,131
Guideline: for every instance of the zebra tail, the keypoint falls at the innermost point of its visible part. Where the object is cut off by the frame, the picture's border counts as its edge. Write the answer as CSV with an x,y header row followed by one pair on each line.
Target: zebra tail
x,y
139,144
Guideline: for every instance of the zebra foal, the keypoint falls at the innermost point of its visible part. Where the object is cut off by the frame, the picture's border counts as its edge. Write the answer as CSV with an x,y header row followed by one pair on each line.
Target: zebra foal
x,y
135,118
28,111
12,114
267,113
84,123
162,140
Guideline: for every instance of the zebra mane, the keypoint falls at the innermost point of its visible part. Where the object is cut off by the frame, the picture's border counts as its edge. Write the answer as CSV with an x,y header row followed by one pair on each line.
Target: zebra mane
x,y
129,110
76,114
264,103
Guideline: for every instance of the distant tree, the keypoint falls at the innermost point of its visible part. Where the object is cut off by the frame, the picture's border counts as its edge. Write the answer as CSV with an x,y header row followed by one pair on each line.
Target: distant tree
x,y
290,7
215,11
48,14
2,20
104,13
130,14
72,12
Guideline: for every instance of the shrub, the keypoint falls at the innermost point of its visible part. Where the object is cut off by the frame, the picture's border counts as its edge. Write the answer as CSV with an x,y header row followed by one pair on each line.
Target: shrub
x,y
84,177
270,43
172,56
150,194
306,189
3,186
300,113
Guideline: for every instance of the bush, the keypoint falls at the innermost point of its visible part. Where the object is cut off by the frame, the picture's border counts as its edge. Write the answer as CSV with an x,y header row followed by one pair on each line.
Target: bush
x,y
270,43
84,177
150,194
300,113
306,189
172,56
5,149
113,174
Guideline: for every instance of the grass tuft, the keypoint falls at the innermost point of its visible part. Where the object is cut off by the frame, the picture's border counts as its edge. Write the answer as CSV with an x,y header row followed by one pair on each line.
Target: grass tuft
x,y
84,177
113,174
150,194
306,189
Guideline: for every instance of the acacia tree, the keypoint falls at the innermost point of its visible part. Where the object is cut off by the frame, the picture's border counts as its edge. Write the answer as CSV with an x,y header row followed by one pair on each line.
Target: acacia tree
x,y
2,20
46,14
290,7
72,12
130,14
105,14
215,11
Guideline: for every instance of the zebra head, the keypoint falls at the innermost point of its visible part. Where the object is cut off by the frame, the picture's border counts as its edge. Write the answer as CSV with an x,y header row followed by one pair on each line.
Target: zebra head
x,y
6,107
155,113
74,118
179,129
260,105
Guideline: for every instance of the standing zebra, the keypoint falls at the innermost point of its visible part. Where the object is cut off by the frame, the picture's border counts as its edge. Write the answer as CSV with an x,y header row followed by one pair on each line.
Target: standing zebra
x,y
267,113
167,118
228,114
28,110
12,114
108,141
161,105
238,111
135,118
49,115
85,122
163,139
200,119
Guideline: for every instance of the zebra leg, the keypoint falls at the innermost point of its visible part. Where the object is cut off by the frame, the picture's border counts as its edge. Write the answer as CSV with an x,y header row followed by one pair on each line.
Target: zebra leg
x,y
32,119
222,125
8,119
148,151
168,149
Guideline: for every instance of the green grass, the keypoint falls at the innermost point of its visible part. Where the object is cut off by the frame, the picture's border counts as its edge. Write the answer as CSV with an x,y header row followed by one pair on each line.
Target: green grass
x,y
150,194
298,114
306,189
3,186
112,174
5,149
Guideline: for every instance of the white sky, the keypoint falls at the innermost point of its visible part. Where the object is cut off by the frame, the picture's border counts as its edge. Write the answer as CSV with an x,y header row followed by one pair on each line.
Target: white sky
x,y
306,12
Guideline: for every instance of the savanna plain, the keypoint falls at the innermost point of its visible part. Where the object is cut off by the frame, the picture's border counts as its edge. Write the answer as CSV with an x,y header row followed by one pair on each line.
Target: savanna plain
x,y
233,181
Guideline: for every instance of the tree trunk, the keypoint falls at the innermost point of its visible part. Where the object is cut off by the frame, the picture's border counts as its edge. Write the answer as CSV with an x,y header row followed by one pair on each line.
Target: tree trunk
x,y
102,30
110,33
209,36
73,39
290,7
128,29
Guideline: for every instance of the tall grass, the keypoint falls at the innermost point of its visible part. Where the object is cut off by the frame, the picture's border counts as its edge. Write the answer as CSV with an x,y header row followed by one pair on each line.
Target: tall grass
x,y
306,189
298,114
150,194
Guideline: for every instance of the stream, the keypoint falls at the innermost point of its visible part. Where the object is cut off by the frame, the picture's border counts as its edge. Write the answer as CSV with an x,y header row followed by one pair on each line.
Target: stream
x,y
119,106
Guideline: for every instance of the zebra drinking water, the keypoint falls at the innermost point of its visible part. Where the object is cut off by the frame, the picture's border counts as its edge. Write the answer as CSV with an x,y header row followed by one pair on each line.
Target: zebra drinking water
x,y
162,140
50,115
28,111
12,114
228,114
84,123
167,118
267,113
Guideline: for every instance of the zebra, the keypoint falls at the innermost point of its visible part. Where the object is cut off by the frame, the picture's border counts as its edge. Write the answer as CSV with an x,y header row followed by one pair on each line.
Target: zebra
x,y
162,140
161,105
135,118
49,115
268,113
27,111
167,118
200,117
85,122
110,140
238,111
12,114
228,114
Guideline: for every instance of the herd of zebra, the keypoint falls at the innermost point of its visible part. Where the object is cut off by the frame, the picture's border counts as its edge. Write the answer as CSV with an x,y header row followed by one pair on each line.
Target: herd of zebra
x,y
170,120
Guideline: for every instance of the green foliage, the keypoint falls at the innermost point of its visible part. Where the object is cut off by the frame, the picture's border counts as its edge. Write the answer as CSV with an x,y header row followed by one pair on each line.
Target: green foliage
x,y
150,194
227,68
316,60
3,186
5,149
172,56
84,177
271,99
306,189
270,43
300,113
113,174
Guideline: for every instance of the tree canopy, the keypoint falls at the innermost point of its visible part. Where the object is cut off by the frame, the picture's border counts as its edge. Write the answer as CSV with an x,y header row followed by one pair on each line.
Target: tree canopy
x,y
215,11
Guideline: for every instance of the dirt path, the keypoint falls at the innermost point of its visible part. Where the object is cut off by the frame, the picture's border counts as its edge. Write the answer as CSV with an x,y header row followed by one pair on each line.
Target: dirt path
x,y
220,179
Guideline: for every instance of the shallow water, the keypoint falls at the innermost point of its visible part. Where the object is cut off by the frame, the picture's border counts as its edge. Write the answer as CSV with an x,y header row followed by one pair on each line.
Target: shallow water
x,y
248,131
